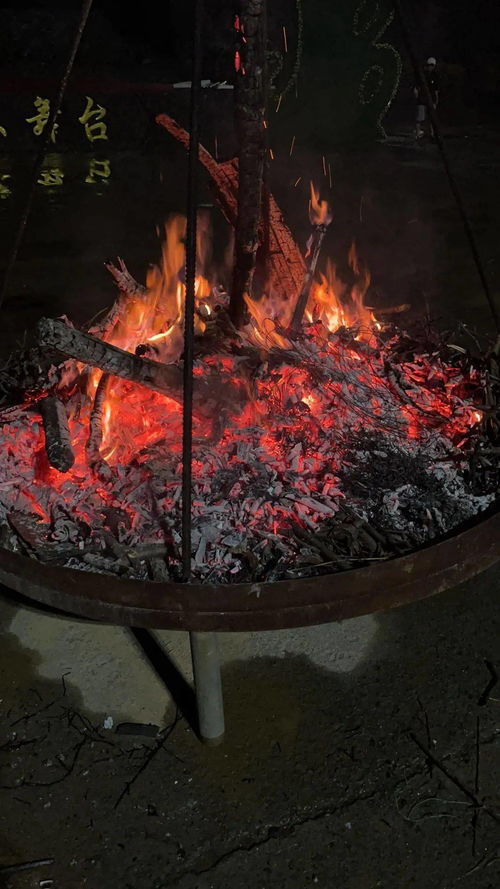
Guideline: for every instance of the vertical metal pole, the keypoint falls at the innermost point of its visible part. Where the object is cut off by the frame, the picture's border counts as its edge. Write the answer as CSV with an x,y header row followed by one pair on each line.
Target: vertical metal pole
x,y
192,209
206,666
207,680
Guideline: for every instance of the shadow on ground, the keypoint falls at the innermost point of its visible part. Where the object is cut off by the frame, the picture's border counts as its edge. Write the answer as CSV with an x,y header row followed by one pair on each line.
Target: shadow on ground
x,y
323,778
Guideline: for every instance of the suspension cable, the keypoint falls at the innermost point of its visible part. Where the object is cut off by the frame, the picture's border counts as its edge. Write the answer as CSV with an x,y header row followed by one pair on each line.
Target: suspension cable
x,y
423,83
49,127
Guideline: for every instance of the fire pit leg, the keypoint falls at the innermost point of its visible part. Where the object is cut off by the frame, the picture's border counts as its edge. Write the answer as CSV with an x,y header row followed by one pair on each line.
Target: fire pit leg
x,y
207,680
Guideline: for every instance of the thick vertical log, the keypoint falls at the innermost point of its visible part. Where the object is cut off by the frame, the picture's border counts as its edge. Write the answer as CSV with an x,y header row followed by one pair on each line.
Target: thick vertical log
x,y
250,114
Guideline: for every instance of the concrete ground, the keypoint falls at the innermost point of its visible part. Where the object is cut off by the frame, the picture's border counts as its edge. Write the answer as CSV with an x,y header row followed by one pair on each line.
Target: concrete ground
x,y
361,755
358,755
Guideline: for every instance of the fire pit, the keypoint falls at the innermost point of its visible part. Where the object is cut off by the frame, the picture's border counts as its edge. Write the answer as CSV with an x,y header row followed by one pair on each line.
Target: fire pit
x,y
243,453
337,464
330,449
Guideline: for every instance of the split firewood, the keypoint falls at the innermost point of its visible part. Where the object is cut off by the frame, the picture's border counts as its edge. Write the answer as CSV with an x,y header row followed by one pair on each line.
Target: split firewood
x,y
165,378
57,437
286,264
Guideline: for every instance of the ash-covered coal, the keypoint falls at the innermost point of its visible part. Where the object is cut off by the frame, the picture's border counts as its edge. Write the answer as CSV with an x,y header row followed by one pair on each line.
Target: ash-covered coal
x,y
306,478
409,489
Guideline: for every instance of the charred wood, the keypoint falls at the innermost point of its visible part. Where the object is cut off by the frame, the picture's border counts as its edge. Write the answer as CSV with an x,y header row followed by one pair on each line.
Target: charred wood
x,y
318,235
28,373
126,283
96,418
164,378
57,436
91,350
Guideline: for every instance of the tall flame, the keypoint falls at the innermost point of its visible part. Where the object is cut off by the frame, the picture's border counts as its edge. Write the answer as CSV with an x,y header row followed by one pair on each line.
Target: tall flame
x,y
154,320
358,313
326,301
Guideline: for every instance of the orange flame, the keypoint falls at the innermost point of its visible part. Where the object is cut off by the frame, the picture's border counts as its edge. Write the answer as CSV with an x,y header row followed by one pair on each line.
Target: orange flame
x,y
156,319
325,303
263,328
319,211
358,313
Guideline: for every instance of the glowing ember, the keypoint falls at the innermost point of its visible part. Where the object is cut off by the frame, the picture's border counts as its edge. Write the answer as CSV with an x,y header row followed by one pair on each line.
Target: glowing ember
x,y
330,417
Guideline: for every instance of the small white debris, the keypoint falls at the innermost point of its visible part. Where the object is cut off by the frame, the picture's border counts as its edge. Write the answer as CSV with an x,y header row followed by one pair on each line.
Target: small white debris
x,y
108,722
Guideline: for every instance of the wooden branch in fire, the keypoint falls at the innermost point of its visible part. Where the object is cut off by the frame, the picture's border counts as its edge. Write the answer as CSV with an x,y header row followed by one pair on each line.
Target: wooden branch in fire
x,y
129,288
125,281
90,350
317,238
165,378
287,266
57,438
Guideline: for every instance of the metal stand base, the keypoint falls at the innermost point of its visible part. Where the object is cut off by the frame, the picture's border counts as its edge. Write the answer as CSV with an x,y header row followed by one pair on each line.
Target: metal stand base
x,y
208,685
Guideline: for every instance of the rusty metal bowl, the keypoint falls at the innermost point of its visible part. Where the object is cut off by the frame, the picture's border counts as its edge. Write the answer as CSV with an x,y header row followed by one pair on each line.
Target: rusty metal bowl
x,y
259,606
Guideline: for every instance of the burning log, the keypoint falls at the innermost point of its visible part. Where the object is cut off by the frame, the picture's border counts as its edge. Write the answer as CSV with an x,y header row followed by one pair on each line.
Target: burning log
x,y
223,175
165,378
250,113
91,350
95,424
57,438
320,216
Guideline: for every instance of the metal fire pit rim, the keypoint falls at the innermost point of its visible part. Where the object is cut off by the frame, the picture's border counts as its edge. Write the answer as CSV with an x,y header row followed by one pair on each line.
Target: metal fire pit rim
x,y
259,606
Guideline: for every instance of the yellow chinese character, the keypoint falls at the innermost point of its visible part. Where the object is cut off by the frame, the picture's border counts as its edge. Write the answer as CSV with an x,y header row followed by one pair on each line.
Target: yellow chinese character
x,y
93,121
3,131
5,191
52,176
40,120
98,171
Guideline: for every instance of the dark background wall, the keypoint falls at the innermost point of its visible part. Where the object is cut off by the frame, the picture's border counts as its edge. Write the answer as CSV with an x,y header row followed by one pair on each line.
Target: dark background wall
x,y
152,41
391,198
